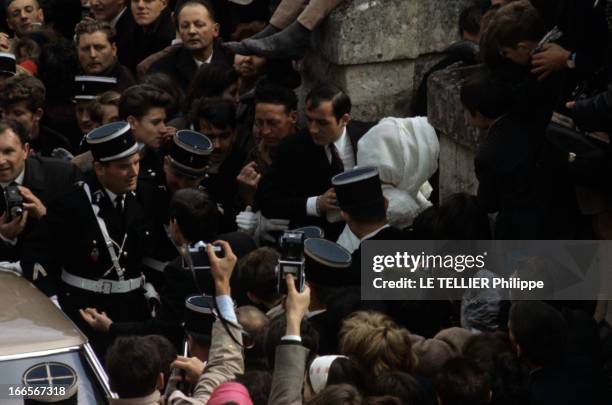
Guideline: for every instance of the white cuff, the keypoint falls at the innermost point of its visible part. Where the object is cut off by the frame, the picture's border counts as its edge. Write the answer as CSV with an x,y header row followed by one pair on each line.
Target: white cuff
x,y
291,338
226,308
311,207
11,242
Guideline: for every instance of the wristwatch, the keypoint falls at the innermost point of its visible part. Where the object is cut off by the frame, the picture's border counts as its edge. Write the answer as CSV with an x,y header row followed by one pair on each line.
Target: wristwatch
x,y
571,61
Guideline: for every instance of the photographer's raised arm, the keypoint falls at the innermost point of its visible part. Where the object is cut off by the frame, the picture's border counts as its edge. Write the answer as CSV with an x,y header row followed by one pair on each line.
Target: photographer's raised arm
x,y
291,356
225,360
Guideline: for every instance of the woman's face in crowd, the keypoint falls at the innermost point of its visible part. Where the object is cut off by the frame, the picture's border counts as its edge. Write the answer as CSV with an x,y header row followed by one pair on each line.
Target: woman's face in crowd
x,y
145,12
196,27
249,66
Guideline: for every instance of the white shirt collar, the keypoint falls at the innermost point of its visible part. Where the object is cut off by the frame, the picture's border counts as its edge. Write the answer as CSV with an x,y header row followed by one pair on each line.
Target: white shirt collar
x,y
341,142
111,195
351,242
207,61
113,22
18,179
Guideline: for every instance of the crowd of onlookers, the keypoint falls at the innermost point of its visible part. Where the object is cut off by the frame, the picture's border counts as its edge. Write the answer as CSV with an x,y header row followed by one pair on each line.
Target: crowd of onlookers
x,y
223,74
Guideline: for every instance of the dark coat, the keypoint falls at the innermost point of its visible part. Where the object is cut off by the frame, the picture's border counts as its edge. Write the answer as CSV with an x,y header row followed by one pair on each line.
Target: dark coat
x,y
126,33
48,140
48,179
223,188
157,37
179,64
69,237
507,172
300,170
124,77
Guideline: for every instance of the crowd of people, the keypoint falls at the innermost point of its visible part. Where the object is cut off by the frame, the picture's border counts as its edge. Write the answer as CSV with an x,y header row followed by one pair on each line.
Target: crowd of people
x,y
153,155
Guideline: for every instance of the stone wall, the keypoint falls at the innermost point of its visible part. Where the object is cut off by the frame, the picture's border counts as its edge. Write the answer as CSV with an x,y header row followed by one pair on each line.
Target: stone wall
x,y
378,50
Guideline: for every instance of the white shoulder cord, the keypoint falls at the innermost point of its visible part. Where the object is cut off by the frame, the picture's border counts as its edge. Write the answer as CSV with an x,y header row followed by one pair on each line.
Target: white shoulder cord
x,y
107,239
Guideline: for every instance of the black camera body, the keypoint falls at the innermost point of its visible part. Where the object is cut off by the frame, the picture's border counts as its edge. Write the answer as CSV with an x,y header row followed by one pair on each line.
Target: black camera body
x,y
196,261
14,202
291,261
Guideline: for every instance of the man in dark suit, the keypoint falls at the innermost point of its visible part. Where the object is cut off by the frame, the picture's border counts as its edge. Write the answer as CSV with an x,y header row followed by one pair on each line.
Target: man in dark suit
x,y
97,235
298,184
40,180
199,32
121,20
364,208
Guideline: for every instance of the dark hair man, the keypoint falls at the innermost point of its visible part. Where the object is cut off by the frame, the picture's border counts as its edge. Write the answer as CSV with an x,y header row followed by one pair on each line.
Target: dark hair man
x,y
461,381
97,234
39,180
22,99
196,25
121,20
135,370
97,51
23,16
298,185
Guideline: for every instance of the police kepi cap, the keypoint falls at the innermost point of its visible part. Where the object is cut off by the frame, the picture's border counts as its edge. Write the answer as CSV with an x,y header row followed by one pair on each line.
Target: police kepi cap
x,y
358,188
88,87
8,65
199,314
112,142
311,232
326,262
189,153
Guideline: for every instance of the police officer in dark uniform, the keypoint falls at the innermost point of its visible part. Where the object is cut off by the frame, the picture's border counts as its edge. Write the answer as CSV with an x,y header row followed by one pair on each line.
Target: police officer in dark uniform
x,y
183,167
91,242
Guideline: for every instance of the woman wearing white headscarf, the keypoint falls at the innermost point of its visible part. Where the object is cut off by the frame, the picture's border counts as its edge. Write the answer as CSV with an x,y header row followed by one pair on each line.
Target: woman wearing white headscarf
x,y
405,151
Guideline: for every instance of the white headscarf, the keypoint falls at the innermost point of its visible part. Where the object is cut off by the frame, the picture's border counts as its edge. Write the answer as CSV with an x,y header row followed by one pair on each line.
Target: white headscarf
x,y
405,151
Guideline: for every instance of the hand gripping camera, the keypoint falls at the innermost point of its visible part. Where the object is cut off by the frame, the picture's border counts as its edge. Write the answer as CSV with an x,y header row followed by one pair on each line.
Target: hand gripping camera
x,y
291,260
13,201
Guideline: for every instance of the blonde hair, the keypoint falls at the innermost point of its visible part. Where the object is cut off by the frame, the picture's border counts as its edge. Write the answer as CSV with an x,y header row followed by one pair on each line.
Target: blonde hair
x,y
377,343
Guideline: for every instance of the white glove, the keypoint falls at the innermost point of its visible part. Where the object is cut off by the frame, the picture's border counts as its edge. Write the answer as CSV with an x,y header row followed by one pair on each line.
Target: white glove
x,y
262,233
248,220
55,301
11,267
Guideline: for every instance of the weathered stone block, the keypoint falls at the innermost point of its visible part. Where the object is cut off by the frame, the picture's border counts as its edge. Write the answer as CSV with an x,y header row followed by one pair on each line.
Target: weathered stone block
x,y
370,31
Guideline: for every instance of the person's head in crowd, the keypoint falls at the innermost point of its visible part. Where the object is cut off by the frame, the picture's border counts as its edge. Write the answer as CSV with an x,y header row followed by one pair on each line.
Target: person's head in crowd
x,y
193,216
57,65
134,367
484,309
516,30
106,10
26,49
22,98
401,385
384,400
460,217
339,394
330,370
216,118
195,21
538,331
328,111
258,383
469,24
482,348
258,277
14,150
146,12
377,343
166,351
424,225
275,114
255,324
23,16
232,393
509,379
485,97
166,83
109,104
250,68
144,107
276,330
213,80
460,382
96,47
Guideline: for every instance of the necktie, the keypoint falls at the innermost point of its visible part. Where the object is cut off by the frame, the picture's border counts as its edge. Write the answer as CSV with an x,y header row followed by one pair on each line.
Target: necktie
x,y
336,163
119,205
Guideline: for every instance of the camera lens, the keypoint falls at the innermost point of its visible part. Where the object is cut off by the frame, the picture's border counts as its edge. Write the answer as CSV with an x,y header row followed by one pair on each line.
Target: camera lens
x,y
16,212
